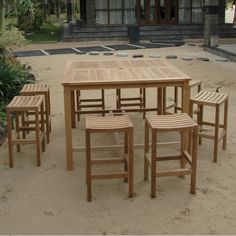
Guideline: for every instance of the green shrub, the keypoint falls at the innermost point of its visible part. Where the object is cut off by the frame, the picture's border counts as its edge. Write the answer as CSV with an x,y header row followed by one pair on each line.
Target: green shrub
x,y
39,18
3,127
11,38
13,76
25,15
2,113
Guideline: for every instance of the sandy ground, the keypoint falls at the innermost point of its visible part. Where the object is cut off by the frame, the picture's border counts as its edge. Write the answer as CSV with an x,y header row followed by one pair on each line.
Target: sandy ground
x,y
52,200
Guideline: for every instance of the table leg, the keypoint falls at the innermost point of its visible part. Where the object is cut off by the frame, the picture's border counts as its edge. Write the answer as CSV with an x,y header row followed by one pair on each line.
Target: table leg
x,y
73,116
68,129
186,109
186,97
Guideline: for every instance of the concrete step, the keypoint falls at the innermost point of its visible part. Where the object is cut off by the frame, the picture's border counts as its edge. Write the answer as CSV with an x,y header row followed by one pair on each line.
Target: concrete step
x,y
73,32
76,29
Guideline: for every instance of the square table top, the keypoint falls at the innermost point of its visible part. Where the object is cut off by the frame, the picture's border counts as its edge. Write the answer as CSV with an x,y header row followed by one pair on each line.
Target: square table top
x,y
125,71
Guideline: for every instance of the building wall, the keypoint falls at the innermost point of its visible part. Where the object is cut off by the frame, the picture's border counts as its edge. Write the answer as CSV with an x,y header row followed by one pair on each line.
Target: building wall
x,y
222,5
187,12
90,12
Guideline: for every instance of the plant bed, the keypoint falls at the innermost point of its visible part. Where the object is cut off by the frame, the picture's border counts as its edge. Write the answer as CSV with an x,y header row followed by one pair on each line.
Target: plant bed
x,y
13,76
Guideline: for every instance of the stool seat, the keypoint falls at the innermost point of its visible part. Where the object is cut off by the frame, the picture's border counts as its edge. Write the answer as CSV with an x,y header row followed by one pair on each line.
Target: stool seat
x,y
108,123
40,89
170,122
209,98
25,103
34,88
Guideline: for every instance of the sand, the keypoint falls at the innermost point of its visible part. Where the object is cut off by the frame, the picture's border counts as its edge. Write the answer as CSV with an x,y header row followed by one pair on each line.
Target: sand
x,y
51,200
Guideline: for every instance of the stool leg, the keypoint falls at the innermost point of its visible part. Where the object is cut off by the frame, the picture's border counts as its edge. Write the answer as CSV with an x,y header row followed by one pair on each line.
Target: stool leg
x,y
49,109
9,135
146,150
42,126
48,128
153,164
37,131
17,130
131,164
190,134
126,154
182,148
176,99
103,101
118,99
199,121
164,100
88,167
144,101
225,123
78,104
160,100
194,161
216,132
24,124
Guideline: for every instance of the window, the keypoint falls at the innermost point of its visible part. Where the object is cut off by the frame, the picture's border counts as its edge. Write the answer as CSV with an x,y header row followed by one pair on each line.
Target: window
x,y
115,11
101,4
191,11
197,15
184,11
197,11
184,15
129,12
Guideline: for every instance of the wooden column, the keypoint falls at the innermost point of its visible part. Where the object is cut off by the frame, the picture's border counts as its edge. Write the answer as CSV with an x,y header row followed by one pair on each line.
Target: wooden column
x,y
90,12
211,27
69,11
222,6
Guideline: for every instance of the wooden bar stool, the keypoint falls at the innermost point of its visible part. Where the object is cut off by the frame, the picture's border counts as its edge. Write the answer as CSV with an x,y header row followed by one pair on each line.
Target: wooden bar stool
x,y
84,105
40,89
212,99
103,125
137,101
177,105
170,123
20,106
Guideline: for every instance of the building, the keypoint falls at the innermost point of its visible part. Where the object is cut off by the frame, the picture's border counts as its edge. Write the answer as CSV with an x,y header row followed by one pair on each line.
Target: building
x,y
141,12
145,14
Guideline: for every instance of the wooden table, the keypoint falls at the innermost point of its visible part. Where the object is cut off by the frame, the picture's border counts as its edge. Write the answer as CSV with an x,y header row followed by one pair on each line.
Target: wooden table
x,y
115,74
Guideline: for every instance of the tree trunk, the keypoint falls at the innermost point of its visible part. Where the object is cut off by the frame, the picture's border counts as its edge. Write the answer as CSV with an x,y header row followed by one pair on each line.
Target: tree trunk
x,y
69,11
234,15
49,8
58,8
1,15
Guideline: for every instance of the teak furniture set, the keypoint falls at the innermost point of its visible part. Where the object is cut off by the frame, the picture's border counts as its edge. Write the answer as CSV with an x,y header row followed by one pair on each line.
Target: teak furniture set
x,y
120,74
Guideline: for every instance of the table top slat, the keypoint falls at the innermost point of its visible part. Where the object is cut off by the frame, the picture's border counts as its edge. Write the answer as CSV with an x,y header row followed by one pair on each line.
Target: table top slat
x,y
121,71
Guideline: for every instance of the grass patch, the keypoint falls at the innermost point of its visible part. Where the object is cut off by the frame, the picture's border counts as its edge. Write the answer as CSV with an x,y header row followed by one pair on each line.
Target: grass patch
x,y
47,33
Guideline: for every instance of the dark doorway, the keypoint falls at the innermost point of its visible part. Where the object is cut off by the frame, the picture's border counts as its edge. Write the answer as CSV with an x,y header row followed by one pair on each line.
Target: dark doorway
x,y
168,11
83,10
147,11
157,11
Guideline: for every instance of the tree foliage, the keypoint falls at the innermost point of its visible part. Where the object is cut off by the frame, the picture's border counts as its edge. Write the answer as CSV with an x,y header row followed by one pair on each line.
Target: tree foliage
x,y
12,38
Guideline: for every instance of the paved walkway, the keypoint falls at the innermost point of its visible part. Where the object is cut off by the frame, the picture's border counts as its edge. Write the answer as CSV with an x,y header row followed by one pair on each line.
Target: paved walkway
x,y
228,47
99,48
